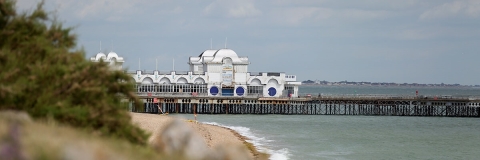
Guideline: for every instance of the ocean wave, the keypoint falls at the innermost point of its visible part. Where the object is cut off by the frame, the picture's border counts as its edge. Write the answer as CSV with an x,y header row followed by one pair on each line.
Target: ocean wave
x,y
281,154
261,143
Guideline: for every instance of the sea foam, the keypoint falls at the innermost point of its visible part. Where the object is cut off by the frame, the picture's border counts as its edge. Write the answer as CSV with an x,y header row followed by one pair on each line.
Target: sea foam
x,y
260,142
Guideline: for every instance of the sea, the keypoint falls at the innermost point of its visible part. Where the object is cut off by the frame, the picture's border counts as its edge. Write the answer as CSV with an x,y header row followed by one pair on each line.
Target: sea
x,y
305,137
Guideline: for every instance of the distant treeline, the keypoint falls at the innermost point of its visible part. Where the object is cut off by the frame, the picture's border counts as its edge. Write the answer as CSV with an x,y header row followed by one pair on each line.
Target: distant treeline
x,y
311,82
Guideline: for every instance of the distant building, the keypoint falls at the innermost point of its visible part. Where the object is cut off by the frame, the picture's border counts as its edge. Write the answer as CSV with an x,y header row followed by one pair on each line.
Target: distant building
x,y
115,62
213,73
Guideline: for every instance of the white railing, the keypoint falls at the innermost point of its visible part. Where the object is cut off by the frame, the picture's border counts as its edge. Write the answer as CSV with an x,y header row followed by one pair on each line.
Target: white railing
x,y
189,94
382,96
171,94
311,96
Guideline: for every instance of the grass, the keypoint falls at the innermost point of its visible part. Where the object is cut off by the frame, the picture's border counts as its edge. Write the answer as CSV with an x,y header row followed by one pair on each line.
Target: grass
x,y
50,140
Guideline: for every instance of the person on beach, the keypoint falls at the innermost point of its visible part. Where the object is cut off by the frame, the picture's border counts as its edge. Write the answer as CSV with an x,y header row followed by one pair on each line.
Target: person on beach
x,y
159,109
195,118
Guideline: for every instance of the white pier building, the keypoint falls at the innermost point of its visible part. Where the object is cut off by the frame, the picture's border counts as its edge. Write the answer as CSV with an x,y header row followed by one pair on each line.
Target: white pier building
x,y
213,73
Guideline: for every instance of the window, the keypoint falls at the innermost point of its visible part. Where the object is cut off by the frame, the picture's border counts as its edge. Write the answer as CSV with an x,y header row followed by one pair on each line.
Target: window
x,y
165,88
289,89
273,74
199,88
169,88
255,89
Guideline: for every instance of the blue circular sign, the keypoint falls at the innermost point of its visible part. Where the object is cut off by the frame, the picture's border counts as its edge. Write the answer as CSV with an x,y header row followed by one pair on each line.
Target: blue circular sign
x,y
272,91
240,91
214,90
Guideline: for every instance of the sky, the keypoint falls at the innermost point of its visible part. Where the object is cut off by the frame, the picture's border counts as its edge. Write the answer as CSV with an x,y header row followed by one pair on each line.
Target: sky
x,y
401,41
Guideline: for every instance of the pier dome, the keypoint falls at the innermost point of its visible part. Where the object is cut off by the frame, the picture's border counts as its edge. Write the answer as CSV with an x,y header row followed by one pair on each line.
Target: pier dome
x,y
222,53
99,56
115,62
207,53
113,55
225,53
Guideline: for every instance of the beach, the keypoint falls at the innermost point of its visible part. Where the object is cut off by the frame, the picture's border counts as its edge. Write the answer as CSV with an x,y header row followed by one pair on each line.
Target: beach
x,y
214,136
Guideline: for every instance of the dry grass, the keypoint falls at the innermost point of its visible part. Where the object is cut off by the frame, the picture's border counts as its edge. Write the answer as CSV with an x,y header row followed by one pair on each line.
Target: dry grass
x,y
49,140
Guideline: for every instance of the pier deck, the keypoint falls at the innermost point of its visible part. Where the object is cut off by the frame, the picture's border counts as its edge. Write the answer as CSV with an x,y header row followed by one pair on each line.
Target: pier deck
x,y
359,105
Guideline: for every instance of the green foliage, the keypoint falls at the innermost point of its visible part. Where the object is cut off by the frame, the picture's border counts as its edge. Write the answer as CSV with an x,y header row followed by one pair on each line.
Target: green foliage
x,y
43,74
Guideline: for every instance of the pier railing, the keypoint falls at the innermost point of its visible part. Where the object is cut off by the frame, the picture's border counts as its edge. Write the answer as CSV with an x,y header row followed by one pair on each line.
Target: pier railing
x,y
189,95
385,96
304,97
323,104
367,96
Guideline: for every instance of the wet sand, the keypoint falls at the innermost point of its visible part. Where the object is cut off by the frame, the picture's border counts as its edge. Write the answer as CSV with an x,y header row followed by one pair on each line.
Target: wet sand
x,y
214,136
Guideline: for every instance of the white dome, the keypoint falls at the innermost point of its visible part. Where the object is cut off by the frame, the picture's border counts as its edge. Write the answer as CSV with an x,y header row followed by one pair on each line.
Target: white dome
x,y
100,56
225,53
112,58
207,53
111,55
222,53
217,56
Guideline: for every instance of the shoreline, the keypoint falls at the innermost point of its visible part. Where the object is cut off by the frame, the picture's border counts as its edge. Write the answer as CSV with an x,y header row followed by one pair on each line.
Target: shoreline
x,y
251,148
213,135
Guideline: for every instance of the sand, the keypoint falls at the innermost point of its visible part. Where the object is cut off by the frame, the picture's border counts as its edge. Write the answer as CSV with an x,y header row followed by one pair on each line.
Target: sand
x,y
213,135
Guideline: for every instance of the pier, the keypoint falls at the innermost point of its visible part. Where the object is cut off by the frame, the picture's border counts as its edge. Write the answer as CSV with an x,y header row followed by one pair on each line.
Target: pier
x,y
354,105
219,82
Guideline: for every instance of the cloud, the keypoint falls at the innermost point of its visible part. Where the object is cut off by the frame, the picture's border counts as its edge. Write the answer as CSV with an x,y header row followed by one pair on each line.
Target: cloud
x,y
401,31
110,10
418,34
27,4
235,8
114,8
300,15
437,32
470,8
359,14
86,9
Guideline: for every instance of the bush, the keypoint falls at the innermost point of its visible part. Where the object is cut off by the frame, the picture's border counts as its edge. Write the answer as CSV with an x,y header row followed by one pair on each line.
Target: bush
x,y
43,73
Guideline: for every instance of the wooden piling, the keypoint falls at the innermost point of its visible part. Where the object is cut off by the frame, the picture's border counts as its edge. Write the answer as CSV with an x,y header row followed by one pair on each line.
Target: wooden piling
x,y
378,107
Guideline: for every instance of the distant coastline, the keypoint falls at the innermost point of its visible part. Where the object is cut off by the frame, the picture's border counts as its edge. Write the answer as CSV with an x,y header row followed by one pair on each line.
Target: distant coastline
x,y
381,84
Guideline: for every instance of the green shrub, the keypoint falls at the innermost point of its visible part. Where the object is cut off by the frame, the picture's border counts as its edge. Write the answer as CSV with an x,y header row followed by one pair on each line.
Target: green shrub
x,y
43,73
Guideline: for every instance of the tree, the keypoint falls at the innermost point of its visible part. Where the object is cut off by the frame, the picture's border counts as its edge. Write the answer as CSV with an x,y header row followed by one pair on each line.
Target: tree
x,y
43,73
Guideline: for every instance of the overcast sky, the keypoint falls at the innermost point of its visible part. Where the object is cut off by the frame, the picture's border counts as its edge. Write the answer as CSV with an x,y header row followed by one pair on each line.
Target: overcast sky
x,y
402,41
